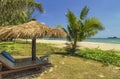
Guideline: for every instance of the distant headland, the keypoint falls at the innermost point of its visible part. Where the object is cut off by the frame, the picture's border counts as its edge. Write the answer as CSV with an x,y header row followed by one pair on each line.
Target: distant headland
x,y
112,37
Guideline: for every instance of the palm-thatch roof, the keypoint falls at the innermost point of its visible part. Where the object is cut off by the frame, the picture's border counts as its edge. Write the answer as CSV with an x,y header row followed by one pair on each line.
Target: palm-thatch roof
x,y
30,30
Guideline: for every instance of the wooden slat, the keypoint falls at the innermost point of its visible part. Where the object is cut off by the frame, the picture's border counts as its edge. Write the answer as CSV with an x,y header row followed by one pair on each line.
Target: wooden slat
x,y
23,68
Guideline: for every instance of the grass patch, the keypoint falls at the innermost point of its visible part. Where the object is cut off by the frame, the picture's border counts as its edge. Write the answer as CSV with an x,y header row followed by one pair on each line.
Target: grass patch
x,y
71,67
24,49
106,57
8,46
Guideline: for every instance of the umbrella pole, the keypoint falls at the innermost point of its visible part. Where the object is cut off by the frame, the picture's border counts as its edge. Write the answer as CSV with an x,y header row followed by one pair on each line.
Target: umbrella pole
x,y
33,48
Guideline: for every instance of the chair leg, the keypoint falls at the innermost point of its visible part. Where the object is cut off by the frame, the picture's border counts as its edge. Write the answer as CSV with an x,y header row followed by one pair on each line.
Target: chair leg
x,y
0,76
0,70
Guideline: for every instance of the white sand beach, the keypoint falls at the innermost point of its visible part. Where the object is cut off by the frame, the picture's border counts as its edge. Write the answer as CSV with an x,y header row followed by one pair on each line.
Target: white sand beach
x,y
103,46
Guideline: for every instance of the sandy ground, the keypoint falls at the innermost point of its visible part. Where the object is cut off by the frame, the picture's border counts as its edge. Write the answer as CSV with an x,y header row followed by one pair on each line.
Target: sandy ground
x,y
103,46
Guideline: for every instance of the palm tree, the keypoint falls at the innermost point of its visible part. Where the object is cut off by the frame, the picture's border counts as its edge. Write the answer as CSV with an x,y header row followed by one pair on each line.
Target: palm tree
x,y
13,12
78,29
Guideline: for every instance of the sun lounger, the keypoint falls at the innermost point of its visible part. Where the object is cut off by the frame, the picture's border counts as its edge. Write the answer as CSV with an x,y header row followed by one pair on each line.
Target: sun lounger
x,y
25,64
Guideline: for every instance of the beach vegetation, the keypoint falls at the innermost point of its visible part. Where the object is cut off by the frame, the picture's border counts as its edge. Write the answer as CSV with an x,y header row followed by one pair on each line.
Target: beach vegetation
x,y
14,12
80,28
107,57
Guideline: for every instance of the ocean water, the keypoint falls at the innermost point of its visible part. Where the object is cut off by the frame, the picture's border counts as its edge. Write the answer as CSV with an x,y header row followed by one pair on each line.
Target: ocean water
x,y
104,40
99,40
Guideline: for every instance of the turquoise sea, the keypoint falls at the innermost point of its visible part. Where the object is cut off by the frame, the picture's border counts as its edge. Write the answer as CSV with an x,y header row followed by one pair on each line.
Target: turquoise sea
x,y
104,40
100,40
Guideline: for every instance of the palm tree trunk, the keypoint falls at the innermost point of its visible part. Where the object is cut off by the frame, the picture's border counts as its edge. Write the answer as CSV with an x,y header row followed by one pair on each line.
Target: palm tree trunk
x,y
74,45
34,49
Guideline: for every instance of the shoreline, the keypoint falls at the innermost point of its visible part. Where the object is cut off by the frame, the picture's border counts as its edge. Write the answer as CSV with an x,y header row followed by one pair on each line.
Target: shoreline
x,y
62,43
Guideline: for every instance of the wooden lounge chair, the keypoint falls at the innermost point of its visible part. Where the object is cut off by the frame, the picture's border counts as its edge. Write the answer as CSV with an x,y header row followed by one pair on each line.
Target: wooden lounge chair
x,y
25,64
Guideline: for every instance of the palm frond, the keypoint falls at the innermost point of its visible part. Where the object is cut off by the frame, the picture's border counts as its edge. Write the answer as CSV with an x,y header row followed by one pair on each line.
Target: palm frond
x,y
61,27
68,32
36,6
72,19
84,13
92,26
93,23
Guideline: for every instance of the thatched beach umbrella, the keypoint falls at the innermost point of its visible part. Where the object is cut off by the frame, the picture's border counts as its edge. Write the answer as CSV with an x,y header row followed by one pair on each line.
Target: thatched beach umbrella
x,y
33,30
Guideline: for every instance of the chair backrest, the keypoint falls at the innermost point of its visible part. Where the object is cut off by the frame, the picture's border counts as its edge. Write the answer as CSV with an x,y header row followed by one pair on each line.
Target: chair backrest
x,y
7,63
8,56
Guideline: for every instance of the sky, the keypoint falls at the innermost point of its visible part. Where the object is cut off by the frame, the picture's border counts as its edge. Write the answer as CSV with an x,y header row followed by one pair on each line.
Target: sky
x,y
107,11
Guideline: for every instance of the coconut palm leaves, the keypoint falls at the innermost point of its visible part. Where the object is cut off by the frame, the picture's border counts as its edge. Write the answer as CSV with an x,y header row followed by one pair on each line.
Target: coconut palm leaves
x,y
14,12
84,13
78,29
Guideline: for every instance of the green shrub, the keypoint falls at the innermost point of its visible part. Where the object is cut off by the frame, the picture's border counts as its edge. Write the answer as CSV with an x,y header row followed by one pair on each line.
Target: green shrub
x,y
106,57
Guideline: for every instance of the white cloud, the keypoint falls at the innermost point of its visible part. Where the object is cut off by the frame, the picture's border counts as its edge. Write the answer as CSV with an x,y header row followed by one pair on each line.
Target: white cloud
x,y
43,23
